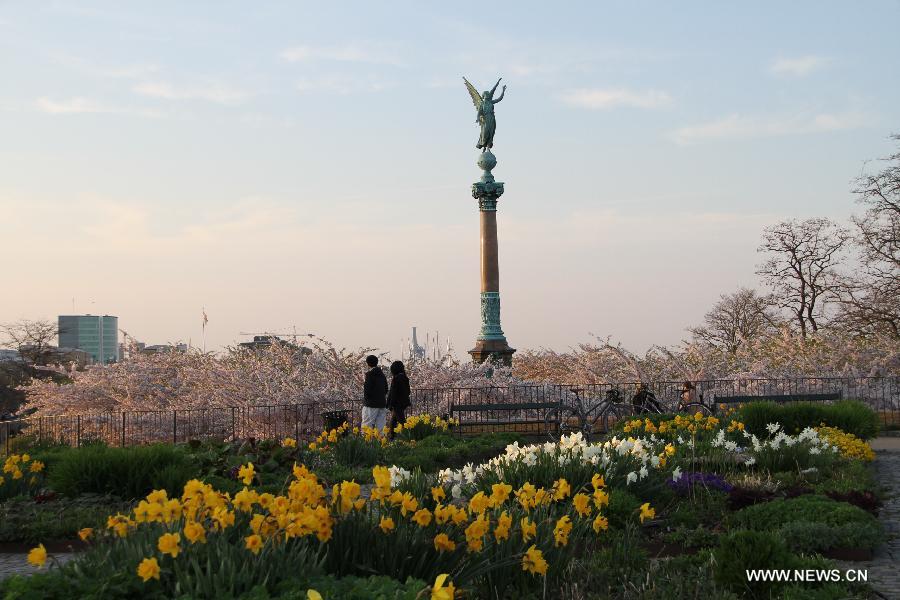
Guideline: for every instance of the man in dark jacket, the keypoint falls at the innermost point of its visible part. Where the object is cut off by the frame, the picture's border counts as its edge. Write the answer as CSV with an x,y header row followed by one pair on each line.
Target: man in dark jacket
x,y
375,388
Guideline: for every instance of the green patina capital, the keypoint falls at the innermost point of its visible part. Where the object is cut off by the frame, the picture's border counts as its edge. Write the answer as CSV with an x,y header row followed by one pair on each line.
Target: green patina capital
x,y
487,191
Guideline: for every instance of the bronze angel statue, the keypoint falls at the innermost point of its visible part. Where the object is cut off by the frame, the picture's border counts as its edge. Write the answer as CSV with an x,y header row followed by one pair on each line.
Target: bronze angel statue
x,y
484,104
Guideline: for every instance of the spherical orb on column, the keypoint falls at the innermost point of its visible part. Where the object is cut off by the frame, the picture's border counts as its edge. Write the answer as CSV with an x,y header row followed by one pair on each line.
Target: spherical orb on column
x,y
487,161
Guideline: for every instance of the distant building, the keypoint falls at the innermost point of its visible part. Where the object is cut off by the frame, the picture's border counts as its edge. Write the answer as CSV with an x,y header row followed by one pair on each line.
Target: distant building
x,y
97,335
10,356
261,342
162,348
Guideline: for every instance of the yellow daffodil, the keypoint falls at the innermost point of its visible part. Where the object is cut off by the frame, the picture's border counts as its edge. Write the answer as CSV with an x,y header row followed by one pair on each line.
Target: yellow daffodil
x,y
422,517
499,493
647,512
561,489
600,523
408,504
582,504
479,503
194,532
501,531
561,530
442,543
246,473
438,493
38,556
169,543
441,592
148,569
253,543
382,477
85,534
529,529
533,561
386,524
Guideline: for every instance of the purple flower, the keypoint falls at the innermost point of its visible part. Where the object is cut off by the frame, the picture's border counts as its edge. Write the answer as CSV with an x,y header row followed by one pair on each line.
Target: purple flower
x,y
710,481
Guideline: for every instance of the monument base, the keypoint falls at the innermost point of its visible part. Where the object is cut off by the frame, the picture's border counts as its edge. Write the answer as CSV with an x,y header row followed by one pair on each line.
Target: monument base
x,y
495,350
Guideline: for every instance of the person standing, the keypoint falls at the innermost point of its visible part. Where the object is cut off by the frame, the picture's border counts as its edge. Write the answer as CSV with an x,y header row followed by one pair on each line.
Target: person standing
x,y
689,397
398,395
375,388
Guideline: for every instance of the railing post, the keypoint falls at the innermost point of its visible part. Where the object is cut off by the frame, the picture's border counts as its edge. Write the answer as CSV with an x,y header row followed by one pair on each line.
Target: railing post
x,y
123,428
174,426
233,430
40,429
78,431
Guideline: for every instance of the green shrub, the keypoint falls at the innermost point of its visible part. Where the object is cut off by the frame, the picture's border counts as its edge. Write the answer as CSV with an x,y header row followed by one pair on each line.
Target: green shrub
x,y
24,521
851,476
698,537
124,472
809,538
56,585
743,550
355,451
810,508
443,451
351,588
848,415
622,508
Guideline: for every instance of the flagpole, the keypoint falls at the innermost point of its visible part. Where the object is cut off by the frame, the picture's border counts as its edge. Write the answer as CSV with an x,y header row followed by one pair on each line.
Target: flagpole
x,y
205,319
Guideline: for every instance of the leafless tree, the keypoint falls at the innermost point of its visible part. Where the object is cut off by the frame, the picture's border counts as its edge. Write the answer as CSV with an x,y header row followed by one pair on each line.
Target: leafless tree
x,y
33,339
738,317
871,302
801,268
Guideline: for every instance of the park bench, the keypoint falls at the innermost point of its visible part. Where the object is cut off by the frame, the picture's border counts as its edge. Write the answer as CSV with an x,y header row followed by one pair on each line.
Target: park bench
x,y
781,398
522,417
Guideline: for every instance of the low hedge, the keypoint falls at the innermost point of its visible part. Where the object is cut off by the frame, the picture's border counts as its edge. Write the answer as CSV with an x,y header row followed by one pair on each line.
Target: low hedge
x,y
810,508
53,585
124,472
849,416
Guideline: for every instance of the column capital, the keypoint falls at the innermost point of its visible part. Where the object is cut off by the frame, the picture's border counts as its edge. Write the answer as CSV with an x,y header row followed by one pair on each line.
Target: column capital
x,y
487,191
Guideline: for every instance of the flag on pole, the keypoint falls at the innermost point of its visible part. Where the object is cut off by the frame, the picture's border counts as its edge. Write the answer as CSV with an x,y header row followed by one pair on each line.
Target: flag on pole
x,y
205,318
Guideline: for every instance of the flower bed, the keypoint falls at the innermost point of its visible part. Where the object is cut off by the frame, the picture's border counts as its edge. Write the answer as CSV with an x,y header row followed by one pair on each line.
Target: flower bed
x,y
555,519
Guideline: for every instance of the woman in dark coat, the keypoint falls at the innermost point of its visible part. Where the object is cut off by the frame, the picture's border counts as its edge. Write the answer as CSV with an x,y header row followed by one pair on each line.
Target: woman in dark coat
x,y
398,395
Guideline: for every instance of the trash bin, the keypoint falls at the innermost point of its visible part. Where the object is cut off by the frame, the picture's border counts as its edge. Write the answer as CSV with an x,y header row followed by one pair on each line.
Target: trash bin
x,y
336,418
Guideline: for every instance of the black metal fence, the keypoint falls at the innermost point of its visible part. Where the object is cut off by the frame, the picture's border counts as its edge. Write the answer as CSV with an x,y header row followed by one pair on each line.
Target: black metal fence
x,y
304,421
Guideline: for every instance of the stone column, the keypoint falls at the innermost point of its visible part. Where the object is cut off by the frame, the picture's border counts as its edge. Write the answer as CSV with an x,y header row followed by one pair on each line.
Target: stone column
x,y
490,343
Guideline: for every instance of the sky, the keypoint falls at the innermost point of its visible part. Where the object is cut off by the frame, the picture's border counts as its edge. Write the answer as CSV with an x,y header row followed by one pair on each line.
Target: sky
x,y
308,165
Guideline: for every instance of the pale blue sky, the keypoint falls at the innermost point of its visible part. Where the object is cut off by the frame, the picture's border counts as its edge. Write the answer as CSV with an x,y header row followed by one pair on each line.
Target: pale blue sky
x,y
308,164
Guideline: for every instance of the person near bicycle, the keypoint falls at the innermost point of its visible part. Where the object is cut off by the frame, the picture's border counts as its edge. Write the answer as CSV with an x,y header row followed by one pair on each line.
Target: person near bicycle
x,y
644,401
690,397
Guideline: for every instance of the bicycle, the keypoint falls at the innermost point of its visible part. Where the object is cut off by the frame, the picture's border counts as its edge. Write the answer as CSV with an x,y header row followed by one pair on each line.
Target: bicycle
x,y
586,418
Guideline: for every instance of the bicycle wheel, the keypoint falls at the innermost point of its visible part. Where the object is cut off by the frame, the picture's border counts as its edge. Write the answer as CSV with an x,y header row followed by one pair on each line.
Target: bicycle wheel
x,y
572,420
609,416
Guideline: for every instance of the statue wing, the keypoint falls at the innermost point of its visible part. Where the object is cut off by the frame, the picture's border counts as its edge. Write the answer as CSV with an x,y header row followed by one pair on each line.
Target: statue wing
x,y
476,97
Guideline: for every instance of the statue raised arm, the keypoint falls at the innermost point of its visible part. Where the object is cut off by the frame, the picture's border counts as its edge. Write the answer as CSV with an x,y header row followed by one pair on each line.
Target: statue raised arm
x,y
484,105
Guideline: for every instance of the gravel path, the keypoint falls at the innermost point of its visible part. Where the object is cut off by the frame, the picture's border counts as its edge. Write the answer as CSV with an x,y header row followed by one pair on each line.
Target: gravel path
x,y
883,571
17,564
